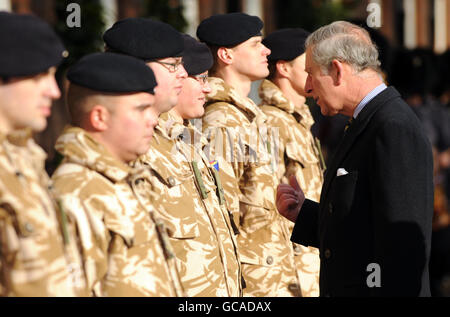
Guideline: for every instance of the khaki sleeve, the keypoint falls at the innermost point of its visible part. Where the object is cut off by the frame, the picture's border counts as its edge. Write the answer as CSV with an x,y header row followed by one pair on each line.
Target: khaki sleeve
x,y
226,145
9,245
226,148
279,137
93,238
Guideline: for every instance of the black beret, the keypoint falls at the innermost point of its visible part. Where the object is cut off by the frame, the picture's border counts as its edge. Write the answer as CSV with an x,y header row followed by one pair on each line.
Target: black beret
x,y
114,73
144,38
28,45
229,29
286,44
197,57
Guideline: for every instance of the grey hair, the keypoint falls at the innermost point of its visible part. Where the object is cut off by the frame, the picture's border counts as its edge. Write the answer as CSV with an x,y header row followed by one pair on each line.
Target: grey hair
x,y
345,42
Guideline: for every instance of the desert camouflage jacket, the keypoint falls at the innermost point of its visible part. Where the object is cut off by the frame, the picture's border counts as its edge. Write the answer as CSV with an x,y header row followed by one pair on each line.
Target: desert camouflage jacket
x,y
187,198
298,153
38,251
125,247
237,132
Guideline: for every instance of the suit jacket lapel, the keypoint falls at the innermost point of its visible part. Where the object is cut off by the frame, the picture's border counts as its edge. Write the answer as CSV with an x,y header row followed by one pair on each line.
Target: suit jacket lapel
x,y
356,128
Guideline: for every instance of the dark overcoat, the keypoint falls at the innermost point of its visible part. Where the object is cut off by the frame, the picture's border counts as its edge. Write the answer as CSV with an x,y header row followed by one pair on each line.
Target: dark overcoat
x,y
373,223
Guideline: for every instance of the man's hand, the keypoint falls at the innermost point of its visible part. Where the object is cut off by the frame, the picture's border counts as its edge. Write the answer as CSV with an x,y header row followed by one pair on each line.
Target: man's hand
x,y
290,199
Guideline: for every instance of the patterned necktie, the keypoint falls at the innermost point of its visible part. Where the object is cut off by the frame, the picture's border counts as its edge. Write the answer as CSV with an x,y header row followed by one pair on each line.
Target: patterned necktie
x,y
349,122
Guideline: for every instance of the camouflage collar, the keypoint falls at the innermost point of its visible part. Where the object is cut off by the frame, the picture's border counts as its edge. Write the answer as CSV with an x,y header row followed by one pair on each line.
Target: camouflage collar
x,y
23,139
305,114
3,137
272,95
171,125
76,145
222,92
17,137
20,137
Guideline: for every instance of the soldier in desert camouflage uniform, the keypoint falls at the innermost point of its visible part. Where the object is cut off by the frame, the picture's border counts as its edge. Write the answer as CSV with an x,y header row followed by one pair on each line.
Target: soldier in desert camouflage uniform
x,y
283,102
188,190
38,252
125,247
235,127
198,229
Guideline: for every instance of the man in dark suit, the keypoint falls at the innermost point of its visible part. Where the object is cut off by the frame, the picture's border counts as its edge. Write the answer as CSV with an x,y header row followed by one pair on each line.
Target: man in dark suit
x,y
373,223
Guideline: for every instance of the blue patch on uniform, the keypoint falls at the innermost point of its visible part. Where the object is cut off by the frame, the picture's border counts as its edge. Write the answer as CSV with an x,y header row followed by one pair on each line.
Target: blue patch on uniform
x,y
215,164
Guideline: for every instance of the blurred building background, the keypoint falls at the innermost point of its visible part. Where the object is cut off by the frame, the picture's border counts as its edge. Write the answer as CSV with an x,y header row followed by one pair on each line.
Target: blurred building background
x,y
409,23
413,37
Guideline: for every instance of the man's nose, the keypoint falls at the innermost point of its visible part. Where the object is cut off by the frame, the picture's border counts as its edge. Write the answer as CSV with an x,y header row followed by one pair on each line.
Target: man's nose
x,y
266,51
52,88
152,120
182,73
206,88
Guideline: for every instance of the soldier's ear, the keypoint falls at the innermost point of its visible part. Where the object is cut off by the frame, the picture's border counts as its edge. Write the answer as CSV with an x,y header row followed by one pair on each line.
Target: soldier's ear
x,y
283,68
99,117
225,55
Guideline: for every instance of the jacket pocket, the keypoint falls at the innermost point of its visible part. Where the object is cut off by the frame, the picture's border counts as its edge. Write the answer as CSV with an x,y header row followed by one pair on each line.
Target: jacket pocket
x,y
255,261
178,205
26,230
25,224
254,217
343,191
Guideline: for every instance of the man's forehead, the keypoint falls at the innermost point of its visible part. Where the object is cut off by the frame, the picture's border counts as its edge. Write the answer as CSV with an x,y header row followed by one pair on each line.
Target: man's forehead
x,y
50,71
128,100
253,39
257,38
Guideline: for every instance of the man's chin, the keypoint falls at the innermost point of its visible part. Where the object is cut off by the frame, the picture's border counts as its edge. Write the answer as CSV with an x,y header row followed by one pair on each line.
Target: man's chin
x,y
38,126
259,76
200,111
142,151
195,115
166,105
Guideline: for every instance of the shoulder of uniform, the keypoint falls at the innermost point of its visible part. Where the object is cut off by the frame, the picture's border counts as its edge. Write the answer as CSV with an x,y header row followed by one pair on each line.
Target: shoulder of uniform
x,y
217,106
223,114
269,109
72,178
277,116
